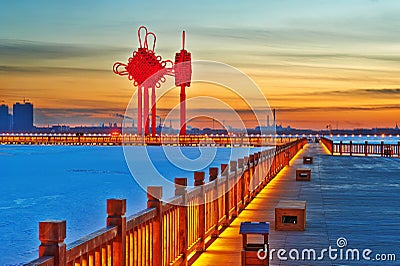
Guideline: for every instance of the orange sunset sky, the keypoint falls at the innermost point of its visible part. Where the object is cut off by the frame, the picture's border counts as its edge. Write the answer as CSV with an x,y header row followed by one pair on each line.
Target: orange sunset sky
x,y
317,62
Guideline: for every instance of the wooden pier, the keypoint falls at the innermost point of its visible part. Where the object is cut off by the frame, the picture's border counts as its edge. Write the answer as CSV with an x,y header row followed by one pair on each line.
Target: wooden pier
x,y
341,202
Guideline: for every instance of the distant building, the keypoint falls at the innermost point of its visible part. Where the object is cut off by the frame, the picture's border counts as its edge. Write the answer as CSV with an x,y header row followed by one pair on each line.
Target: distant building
x,y
5,119
22,117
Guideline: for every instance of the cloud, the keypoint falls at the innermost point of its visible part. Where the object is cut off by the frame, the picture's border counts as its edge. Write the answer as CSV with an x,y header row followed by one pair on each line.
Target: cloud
x,y
321,109
48,69
32,50
76,112
385,92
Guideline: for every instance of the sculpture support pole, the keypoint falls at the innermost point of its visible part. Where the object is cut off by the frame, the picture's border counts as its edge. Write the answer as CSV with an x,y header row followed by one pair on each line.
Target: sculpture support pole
x,y
146,111
153,112
183,110
139,111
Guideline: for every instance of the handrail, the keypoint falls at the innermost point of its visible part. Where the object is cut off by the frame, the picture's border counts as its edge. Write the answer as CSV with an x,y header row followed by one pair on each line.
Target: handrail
x,y
328,144
362,148
90,243
43,261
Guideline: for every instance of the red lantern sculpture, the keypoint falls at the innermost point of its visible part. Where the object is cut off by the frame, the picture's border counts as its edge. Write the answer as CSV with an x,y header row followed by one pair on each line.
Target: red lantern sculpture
x,y
147,70
183,74
145,65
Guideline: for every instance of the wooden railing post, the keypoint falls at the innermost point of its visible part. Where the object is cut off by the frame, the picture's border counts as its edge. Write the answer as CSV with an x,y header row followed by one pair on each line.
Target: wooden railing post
x,y
116,209
261,168
366,148
255,174
274,159
213,171
180,190
199,181
251,176
265,168
227,201
246,178
257,170
260,171
351,148
398,149
235,191
271,154
269,165
287,158
154,196
51,236
241,181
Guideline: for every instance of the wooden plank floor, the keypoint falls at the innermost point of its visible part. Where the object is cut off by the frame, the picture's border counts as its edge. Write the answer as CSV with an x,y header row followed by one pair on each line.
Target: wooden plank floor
x,y
353,197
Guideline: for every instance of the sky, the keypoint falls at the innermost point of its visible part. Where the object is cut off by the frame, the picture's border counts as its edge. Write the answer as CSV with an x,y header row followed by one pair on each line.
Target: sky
x,y
318,62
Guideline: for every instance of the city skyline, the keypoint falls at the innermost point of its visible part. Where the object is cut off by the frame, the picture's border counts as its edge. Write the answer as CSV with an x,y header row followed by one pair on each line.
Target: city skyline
x,y
320,63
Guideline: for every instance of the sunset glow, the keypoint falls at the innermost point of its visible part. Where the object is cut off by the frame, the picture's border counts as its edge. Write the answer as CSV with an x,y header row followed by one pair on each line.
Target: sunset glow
x,y
317,62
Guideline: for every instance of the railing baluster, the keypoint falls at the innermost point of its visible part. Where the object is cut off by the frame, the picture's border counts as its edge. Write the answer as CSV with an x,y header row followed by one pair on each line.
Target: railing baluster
x,y
235,192
227,190
154,195
241,185
180,190
213,172
199,181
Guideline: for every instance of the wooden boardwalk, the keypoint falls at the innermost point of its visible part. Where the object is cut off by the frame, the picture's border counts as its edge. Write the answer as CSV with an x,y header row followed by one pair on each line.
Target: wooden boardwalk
x,y
352,197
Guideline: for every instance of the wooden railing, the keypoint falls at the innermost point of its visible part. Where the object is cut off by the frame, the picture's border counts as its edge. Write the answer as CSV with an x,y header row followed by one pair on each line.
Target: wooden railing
x,y
170,232
328,144
129,139
364,149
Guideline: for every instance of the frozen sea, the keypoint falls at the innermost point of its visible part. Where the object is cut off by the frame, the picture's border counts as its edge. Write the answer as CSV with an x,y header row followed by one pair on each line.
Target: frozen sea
x,y
72,183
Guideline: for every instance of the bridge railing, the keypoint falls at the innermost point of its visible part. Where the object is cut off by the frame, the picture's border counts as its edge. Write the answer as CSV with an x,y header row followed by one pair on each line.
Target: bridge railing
x,y
131,139
328,144
170,232
365,149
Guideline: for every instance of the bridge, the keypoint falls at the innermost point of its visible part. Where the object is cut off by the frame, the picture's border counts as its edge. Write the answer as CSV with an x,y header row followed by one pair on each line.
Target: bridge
x,y
132,139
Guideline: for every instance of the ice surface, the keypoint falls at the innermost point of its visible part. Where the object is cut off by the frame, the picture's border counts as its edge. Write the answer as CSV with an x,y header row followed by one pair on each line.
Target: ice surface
x,y
72,183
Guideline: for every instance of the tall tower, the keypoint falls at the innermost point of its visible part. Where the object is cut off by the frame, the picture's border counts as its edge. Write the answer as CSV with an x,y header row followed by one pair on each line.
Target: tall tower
x,y
5,119
274,114
22,117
